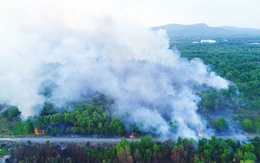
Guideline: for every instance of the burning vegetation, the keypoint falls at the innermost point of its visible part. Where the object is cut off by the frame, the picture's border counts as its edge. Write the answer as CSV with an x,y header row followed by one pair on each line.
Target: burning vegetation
x,y
132,136
38,131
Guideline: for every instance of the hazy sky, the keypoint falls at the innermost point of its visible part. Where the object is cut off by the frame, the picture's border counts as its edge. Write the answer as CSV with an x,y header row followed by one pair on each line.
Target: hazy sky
x,y
242,13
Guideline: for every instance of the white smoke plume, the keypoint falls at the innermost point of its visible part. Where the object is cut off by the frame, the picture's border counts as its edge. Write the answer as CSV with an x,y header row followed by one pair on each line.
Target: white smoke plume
x,y
149,83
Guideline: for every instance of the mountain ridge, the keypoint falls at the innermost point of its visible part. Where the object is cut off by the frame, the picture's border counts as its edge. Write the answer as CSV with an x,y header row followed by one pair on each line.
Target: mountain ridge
x,y
202,29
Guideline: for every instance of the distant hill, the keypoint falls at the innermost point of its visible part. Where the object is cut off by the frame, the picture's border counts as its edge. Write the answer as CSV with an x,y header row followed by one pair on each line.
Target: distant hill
x,y
205,30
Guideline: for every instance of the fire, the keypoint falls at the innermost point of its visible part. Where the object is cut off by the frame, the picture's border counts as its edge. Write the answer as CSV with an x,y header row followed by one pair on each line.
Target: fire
x,y
132,136
38,132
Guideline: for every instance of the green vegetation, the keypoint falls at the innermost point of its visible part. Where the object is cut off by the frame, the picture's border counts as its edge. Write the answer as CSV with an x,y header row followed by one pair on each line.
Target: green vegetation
x,y
219,123
239,105
232,58
9,118
143,150
3,151
235,59
86,118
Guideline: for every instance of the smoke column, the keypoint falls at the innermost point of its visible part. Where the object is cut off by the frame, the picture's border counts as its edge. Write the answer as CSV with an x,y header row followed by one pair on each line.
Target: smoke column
x,y
149,83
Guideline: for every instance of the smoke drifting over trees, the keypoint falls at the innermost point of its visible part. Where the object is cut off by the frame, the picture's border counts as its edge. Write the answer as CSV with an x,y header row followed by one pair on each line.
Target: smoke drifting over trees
x,y
150,84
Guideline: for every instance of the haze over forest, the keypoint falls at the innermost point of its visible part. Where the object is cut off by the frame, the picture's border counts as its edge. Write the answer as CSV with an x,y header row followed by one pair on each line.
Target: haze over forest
x,y
59,57
182,93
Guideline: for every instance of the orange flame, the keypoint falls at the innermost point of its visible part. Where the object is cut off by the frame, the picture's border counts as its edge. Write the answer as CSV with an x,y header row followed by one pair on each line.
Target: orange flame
x,y
132,136
38,132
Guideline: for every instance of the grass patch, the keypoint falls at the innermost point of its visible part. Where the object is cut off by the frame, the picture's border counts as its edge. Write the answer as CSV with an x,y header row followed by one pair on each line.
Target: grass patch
x,y
3,151
18,129
7,125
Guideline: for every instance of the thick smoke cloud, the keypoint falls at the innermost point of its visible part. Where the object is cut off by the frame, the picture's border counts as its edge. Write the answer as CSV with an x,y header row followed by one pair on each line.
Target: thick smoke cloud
x,y
150,84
